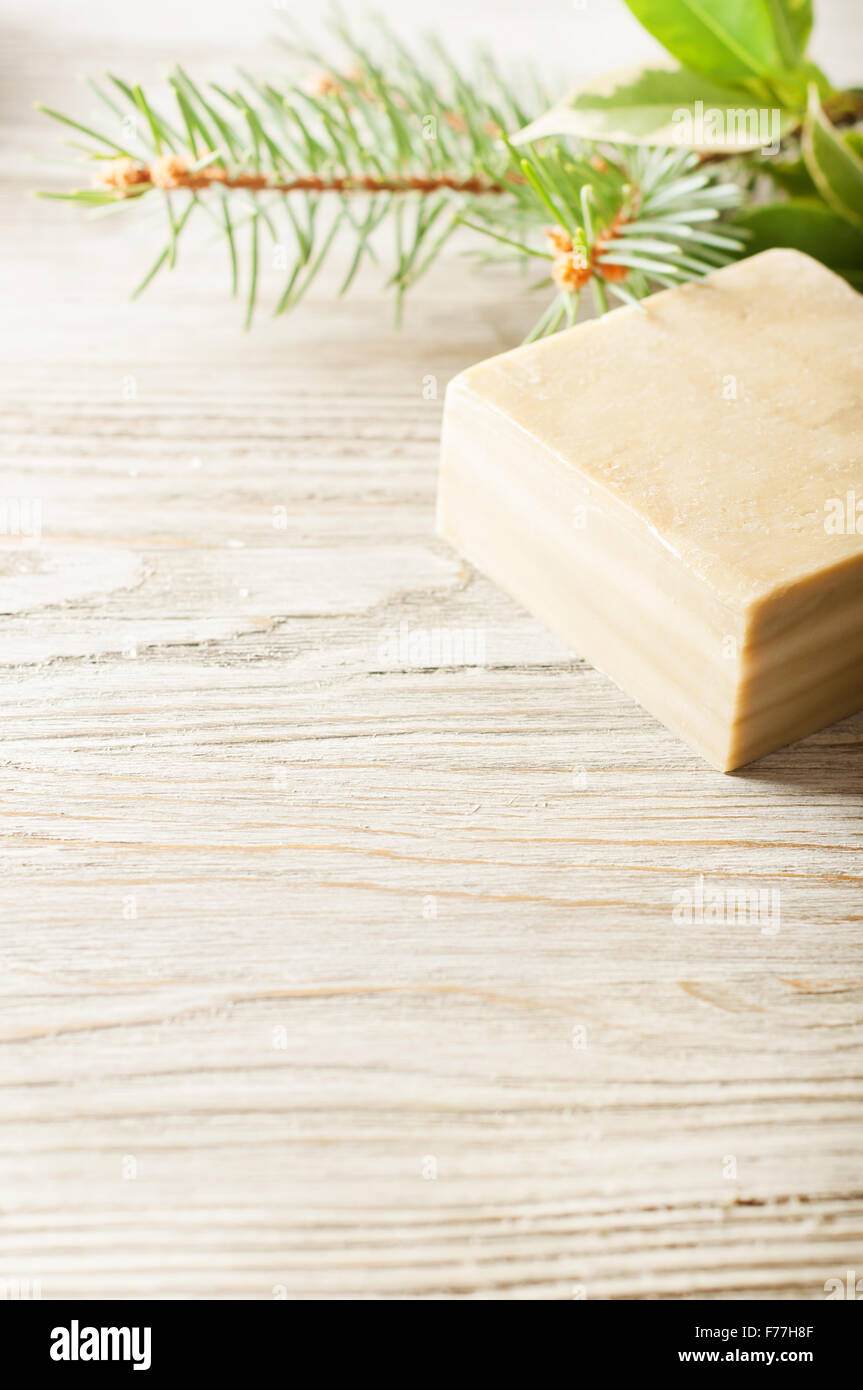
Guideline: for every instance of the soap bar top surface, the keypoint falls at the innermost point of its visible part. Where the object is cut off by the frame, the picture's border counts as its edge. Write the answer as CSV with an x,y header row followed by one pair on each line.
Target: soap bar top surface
x,y
725,417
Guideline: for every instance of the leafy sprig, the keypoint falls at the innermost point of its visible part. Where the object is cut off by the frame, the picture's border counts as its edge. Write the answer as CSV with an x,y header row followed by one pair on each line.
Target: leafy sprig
x,y
349,149
623,223
610,188
742,74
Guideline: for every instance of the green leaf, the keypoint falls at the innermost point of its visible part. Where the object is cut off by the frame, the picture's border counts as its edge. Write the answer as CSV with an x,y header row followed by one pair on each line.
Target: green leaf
x,y
733,40
792,22
791,175
664,106
807,225
836,168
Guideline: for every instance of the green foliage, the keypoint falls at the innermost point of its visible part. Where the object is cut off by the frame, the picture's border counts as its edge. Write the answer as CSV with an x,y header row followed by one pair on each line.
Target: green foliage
x,y
790,175
741,62
388,138
806,224
649,105
738,57
835,166
792,20
738,41
651,213
422,122
421,144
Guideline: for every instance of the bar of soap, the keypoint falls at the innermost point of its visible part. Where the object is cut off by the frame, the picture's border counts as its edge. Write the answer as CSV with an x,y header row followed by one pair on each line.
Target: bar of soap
x,y
673,493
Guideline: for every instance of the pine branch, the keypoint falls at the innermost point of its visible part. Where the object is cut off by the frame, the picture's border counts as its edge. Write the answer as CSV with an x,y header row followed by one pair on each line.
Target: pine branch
x,y
624,222
410,141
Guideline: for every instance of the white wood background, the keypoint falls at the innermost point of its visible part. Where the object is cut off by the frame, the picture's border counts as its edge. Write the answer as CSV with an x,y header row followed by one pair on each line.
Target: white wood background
x,y
297,940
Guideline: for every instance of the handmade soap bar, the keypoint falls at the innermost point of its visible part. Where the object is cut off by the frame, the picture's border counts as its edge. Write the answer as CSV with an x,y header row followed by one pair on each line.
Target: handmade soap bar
x,y
673,492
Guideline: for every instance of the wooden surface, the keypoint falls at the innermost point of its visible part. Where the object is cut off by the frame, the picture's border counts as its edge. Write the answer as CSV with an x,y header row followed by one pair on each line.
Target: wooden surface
x,y
325,973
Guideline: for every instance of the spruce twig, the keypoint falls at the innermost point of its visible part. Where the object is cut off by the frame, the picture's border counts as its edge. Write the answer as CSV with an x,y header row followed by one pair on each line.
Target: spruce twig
x,y
408,140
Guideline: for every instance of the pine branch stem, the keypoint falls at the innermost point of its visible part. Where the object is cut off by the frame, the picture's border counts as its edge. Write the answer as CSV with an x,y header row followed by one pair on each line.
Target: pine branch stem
x,y
170,172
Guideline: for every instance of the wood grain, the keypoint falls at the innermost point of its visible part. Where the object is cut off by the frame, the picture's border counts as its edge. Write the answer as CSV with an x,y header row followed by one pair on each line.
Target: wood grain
x,y
328,971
